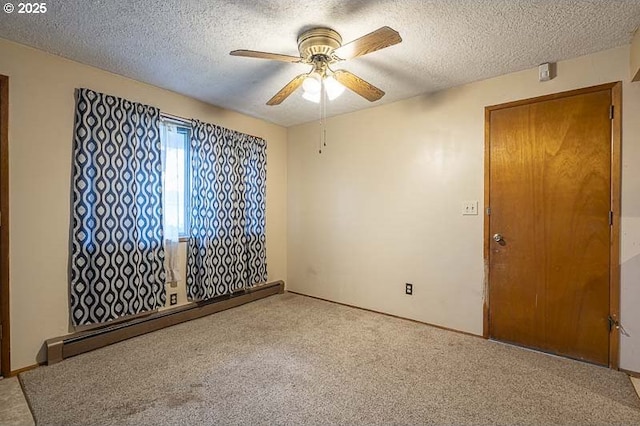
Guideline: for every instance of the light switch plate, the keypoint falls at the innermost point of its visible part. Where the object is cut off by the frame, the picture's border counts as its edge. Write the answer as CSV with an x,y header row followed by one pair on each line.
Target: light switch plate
x,y
470,208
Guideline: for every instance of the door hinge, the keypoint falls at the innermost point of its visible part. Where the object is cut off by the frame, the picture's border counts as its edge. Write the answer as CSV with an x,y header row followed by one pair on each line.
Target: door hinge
x,y
610,112
0,331
610,218
488,211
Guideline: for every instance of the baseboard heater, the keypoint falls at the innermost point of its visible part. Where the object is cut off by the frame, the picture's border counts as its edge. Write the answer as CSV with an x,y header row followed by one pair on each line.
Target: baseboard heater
x,y
59,348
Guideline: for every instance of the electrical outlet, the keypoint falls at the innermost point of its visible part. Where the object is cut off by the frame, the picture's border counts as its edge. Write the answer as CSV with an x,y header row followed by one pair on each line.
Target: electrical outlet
x,y
408,288
470,208
173,299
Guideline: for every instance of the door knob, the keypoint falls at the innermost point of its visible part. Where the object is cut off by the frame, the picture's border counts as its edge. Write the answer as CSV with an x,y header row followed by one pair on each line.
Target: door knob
x,y
497,238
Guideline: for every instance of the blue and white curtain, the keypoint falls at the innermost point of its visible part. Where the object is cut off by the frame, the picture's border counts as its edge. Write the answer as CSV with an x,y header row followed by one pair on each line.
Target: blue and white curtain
x,y
227,236
116,239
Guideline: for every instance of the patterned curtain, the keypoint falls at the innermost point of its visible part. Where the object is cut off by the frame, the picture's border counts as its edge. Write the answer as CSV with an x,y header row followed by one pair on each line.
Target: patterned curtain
x,y
227,236
116,239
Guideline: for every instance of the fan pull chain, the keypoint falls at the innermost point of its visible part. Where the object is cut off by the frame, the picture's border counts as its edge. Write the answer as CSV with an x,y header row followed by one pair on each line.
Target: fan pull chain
x,y
325,99
321,129
323,117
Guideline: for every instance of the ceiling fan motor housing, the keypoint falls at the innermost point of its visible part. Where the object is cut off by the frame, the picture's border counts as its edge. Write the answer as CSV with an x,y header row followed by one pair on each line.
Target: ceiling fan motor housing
x,y
318,42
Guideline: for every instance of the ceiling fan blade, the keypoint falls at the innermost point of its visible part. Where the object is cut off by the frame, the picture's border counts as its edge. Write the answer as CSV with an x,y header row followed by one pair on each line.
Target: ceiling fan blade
x,y
287,90
358,85
265,55
379,39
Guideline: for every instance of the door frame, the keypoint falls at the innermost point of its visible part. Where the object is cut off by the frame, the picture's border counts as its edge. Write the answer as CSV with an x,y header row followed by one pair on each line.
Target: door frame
x,y
616,178
5,368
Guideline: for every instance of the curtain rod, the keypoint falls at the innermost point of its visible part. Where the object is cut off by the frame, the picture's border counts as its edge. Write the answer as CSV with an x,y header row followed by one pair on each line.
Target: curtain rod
x,y
174,117
188,120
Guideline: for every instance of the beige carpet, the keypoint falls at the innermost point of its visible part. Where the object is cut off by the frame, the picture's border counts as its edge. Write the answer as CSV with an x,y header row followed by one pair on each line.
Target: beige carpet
x,y
14,410
291,359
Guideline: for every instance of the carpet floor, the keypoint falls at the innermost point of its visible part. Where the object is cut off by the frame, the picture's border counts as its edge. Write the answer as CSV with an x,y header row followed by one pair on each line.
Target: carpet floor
x,y
14,410
290,359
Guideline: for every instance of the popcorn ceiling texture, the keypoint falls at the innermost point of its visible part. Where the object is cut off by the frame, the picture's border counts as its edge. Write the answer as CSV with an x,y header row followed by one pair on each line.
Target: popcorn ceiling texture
x,y
183,45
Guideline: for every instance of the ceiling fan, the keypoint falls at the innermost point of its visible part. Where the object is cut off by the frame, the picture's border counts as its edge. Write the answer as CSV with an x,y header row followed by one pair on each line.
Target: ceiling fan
x,y
321,48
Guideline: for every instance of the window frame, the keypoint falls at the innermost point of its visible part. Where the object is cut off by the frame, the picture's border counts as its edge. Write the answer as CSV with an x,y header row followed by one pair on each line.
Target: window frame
x,y
183,126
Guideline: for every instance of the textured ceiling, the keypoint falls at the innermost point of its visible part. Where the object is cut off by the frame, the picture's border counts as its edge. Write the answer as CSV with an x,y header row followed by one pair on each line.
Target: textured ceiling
x,y
183,45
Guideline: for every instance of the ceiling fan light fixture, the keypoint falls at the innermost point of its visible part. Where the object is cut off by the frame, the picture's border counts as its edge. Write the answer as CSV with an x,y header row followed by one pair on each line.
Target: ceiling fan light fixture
x,y
312,84
313,97
333,88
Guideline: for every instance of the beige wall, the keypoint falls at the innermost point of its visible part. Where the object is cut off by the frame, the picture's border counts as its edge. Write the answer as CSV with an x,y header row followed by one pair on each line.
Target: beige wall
x,y
41,105
381,206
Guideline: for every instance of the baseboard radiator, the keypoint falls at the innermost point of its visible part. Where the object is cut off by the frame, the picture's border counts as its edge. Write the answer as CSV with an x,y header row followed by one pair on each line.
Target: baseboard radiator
x,y
80,342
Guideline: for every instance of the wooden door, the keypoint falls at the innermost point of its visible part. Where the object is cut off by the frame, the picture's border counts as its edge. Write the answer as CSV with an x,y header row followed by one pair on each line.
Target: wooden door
x,y
3,105
550,200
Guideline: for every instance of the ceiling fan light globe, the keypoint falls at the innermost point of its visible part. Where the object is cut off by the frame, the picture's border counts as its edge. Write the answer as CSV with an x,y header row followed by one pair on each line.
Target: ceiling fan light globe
x,y
333,88
313,97
312,84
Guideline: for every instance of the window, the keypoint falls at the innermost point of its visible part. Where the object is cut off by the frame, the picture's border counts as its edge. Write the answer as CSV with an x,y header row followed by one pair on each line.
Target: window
x,y
175,138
